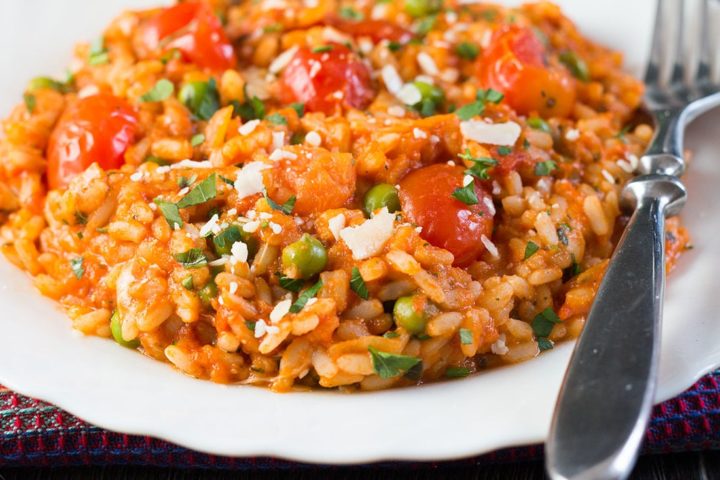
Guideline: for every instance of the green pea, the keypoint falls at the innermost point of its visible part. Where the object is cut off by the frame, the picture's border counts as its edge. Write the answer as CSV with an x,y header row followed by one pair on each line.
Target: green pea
x,y
207,293
116,329
40,83
422,8
304,258
576,65
406,315
539,124
201,98
381,195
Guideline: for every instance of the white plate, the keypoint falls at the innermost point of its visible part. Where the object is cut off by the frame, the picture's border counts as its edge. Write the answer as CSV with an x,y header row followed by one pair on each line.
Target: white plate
x,y
118,389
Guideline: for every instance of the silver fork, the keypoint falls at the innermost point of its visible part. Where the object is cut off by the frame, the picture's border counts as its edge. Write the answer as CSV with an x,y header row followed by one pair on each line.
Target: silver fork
x,y
608,391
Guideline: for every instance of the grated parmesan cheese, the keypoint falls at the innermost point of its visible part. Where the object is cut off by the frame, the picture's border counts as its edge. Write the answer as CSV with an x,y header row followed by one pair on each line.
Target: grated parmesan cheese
x,y
409,94
239,252
391,78
282,60
335,224
427,64
210,226
249,180
280,154
368,238
313,138
499,347
418,133
572,135
280,310
251,227
491,133
490,246
249,127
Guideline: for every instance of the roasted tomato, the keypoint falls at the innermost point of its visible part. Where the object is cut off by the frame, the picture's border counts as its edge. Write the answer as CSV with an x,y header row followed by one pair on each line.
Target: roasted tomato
x,y
319,180
515,64
426,199
94,129
377,30
325,78
194,30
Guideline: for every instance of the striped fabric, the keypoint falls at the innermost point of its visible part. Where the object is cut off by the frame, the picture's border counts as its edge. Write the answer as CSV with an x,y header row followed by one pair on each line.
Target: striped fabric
x,y
34,433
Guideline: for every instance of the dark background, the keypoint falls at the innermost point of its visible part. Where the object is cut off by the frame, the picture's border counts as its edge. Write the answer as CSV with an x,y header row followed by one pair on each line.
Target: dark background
x,y
685,466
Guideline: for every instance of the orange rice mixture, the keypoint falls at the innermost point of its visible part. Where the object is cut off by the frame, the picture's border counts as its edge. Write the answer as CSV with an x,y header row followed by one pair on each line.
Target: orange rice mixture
x,y
351,194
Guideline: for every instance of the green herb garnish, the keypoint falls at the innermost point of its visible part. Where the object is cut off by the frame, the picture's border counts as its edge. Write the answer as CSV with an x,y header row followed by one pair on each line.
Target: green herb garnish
x,y
277,119
162,90
201,193
467,50
322,48
197,139
305,296
286,207
351,14
466,336
76,264
98,54
530,249
389,365
457,372
357,284
171,213
545,168
30,102
542,325
193,258
466,194
291,284
480,166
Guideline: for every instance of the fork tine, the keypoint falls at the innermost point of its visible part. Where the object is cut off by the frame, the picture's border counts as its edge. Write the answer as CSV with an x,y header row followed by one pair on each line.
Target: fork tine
x,y
678,43
663,64
704,68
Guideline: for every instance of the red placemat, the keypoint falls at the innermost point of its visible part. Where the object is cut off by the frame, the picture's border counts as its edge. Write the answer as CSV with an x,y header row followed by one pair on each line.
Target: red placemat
x,y
34,433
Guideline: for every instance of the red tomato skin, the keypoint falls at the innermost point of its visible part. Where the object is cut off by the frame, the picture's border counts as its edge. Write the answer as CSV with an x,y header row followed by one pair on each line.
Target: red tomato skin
x,y
95,129
426,200
514,64
193,29
377,30
324,81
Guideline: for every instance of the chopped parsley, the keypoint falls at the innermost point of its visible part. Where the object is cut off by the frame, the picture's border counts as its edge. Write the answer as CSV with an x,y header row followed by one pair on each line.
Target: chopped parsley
x,y
542,325
252,109
30,102
530,249
480,165
193,258
466,336
545,168
457,372
476,108
576,65
467,50
201,193
562,232
351,14
198,139
250,325
80,218
425,25
389,365
98,54
187,282
186,181
299,108
224,240
391,335
273,27
466,194
277,119
394,46
171,213
305,296
504,150
156,160
322,48
286,207
291,284
76,264
162,90
357,284
202,98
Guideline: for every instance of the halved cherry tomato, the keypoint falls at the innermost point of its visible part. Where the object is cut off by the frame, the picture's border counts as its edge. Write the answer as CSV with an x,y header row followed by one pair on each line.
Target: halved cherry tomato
x,y
194,30
327,78
426,199
377,30
94,129
515,64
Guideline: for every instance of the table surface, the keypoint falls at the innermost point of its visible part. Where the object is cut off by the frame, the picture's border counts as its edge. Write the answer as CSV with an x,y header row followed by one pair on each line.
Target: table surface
x,y
684,466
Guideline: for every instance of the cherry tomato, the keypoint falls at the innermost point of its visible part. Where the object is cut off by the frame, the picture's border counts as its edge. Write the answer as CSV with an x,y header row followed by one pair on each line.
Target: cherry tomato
x,y
326,78
377,30
515,64
94,129
194,30
426,199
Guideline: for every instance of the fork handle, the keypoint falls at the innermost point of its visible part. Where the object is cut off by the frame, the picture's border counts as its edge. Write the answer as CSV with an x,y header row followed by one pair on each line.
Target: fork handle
x,y
664,155
608,391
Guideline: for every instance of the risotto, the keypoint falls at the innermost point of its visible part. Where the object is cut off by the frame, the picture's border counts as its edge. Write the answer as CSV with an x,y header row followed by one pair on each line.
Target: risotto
x,y
326,193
